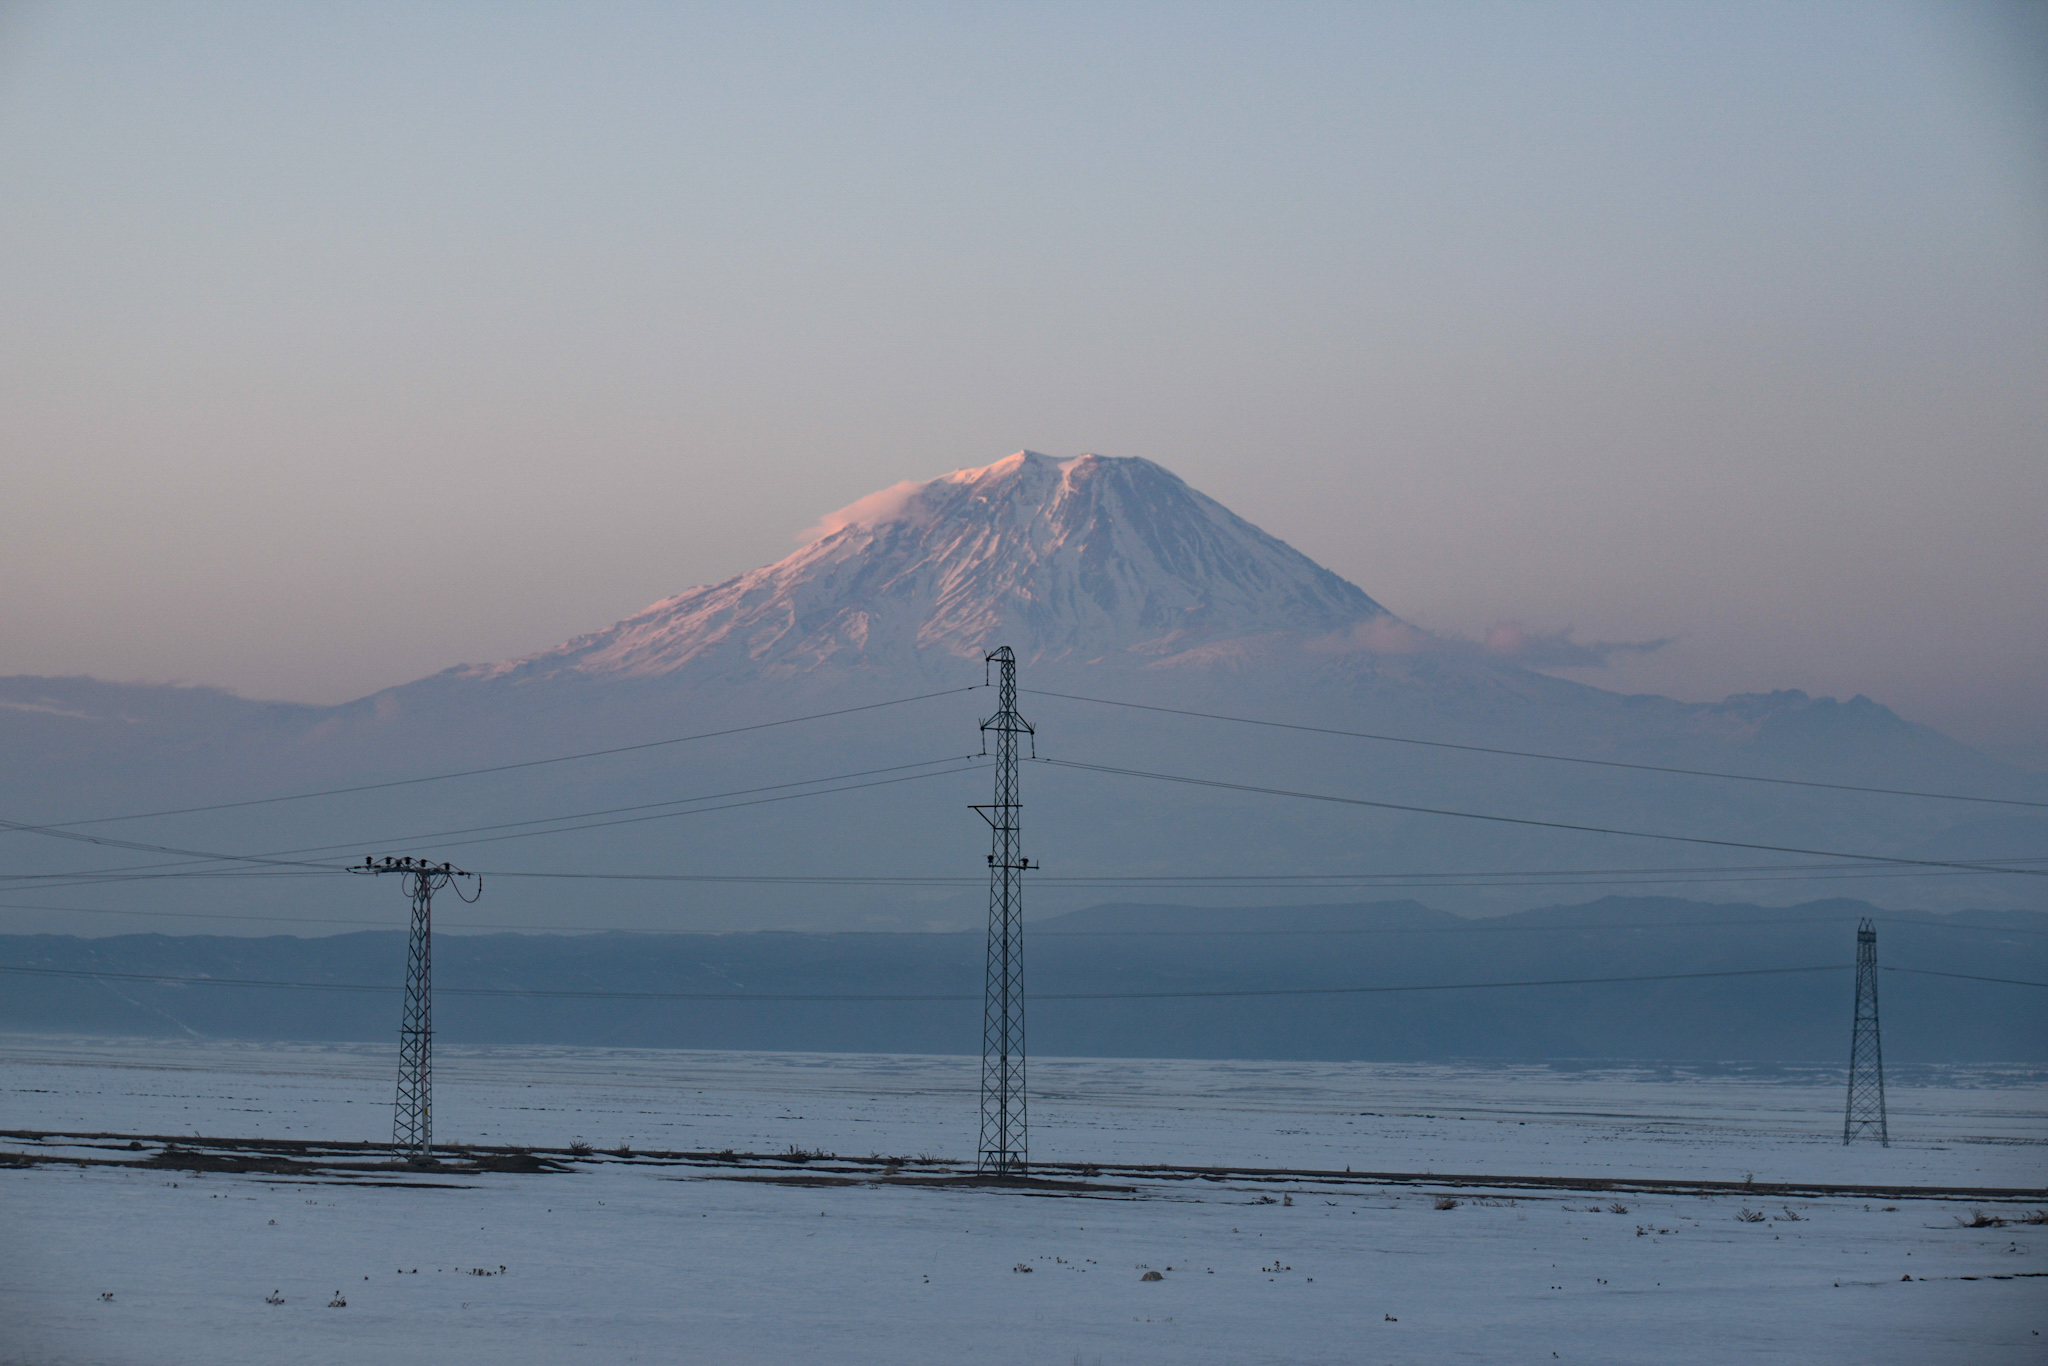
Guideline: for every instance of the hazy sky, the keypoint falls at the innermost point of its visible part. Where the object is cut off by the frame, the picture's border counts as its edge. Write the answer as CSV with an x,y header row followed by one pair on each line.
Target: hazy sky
x,y
340,343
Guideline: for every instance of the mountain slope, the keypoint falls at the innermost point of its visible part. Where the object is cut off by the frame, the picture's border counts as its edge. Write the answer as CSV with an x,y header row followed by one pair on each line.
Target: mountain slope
x,y
1059,559
1113,580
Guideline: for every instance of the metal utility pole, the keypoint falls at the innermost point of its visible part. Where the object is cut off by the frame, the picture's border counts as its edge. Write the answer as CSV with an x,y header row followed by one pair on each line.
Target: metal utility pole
x,y
1005,1147
1865,1113
412,1119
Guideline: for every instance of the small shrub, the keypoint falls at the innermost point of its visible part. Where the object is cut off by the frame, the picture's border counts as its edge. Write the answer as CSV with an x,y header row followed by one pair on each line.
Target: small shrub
x,y
1979,1219
1750,1216
1791,1217
2032,1216
623,1150
1617,1208
1446,1202
579,1149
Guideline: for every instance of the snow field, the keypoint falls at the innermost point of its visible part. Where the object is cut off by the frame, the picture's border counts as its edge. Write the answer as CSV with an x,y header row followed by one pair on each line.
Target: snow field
x,y
1956,1126
634,1262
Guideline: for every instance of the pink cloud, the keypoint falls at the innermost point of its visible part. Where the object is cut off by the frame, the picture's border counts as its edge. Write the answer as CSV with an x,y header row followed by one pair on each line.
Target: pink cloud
x,y
887,505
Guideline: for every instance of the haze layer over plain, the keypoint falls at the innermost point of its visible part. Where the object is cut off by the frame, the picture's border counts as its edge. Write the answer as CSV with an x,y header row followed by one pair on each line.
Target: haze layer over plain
x,y
1112,579
344,344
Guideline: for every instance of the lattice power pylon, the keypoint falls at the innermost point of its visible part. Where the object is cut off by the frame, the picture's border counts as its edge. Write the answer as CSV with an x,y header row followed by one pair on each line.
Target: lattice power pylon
x,y
1865,1114
412,1118
1005,1139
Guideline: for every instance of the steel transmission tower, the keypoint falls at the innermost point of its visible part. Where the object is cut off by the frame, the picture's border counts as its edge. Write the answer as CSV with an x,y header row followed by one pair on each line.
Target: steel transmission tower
x,y
1865,1113
412,1118
1005,1146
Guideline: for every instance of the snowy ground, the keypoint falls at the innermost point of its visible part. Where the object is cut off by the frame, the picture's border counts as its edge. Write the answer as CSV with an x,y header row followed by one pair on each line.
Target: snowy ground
x,y
633,1261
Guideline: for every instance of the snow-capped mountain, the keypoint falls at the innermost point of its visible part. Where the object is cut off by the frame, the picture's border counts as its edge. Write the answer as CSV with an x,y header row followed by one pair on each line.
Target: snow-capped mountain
x,y
1112,579
1077,559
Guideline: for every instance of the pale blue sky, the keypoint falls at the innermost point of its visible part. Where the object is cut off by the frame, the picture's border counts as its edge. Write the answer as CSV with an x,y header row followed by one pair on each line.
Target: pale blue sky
x,y
340,343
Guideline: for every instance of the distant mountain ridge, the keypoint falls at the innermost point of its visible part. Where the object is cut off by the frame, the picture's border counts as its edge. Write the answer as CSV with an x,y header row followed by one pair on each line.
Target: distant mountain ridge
x,y
1112,579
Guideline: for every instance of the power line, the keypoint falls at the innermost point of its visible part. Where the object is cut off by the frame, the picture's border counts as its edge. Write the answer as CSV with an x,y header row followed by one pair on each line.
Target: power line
x,y
1441,986
968,762
148,872
1525,820
1779,922
278,863
1440,881
414,839
1174,879
257,919
1316,882
1529,754
1966,977
505,768
198,855
933,997
1250,882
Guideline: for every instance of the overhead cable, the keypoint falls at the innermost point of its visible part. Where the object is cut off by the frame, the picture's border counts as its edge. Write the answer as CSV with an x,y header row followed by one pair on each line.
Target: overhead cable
x,y
507,768
198,855
932,997
1530,754
150,872
1963,976
1541,824
1777,922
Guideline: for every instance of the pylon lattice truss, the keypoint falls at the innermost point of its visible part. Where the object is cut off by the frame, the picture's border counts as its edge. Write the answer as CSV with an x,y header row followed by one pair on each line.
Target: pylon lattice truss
x,y
1864,1116
1005,1136
412,1113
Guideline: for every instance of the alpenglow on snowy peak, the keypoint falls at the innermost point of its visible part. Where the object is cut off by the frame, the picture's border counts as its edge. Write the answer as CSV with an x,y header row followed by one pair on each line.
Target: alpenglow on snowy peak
x,y
1079,559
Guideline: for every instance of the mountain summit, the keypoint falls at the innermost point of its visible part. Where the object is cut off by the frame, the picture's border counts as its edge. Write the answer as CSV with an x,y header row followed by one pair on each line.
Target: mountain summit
x,y
1112,579
1080,559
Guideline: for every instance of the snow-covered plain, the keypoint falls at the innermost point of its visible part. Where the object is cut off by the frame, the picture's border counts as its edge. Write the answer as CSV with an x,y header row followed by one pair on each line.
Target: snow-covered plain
x,y
628,1260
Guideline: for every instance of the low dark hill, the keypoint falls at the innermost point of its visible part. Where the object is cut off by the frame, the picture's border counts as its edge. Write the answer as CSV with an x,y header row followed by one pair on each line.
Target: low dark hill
x,y
1118,950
